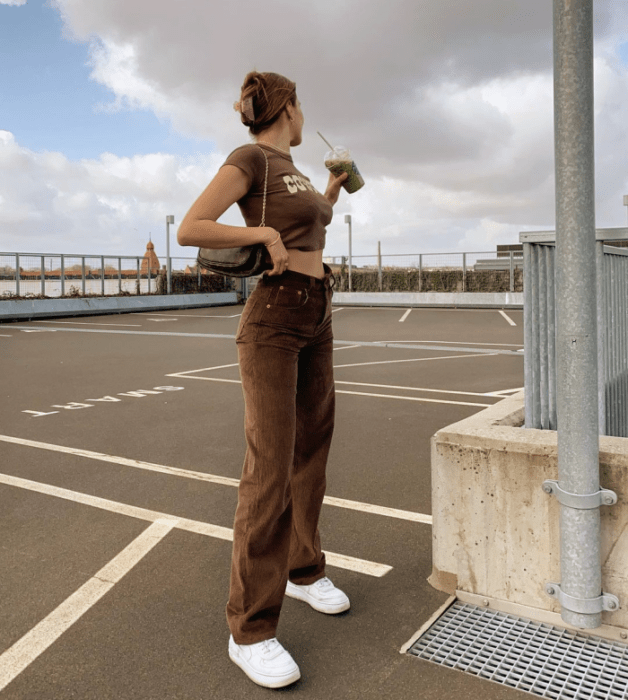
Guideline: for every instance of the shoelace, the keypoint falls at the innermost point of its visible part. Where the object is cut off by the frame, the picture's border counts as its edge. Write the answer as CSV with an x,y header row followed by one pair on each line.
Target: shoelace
x,y
323,583
270,646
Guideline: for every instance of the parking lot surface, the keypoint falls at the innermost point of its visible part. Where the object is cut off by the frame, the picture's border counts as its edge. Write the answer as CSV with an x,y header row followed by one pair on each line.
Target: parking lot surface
x,y
120,452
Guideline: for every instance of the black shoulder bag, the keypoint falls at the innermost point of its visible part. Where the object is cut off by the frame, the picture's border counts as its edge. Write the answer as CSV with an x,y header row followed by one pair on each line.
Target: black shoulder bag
x,y
245,261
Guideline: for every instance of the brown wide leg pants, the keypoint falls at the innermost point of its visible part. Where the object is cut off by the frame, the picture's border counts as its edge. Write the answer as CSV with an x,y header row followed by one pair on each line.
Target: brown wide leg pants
x,y
285,347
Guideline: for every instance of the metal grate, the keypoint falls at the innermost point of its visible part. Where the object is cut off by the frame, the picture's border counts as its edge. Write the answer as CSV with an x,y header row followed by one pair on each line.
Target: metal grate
x,y
546,661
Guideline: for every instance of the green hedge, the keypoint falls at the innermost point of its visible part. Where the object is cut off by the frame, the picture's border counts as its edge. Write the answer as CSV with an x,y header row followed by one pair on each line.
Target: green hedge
x,y
189,284
411,280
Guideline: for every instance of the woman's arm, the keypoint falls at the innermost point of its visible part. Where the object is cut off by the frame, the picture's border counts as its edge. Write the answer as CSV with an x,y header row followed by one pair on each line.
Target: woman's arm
x,y
199,227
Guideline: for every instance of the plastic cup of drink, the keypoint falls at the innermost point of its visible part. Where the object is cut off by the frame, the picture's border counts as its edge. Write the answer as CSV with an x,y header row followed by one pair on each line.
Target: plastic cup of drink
x,y
339,161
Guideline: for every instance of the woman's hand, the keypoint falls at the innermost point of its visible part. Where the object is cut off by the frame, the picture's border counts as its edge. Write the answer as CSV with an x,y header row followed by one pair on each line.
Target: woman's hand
x,y
333,187
278,254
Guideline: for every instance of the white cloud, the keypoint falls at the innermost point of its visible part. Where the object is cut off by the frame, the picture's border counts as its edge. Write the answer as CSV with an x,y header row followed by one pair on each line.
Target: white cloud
x,y
16,3
52,204
449,114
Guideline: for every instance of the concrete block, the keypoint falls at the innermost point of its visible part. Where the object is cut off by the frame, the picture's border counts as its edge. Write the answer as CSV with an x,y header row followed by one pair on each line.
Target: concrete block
x,y
495,532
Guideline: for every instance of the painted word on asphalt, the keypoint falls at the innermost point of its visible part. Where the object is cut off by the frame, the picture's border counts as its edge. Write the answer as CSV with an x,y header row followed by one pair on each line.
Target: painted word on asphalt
x,y
75,405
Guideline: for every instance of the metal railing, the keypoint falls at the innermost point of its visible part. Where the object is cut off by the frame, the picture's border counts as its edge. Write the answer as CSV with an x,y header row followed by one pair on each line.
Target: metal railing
x,y
540,330
60,275
464,266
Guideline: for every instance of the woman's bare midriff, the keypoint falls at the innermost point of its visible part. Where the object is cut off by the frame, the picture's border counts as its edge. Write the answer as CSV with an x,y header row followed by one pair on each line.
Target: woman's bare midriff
x,y
307,262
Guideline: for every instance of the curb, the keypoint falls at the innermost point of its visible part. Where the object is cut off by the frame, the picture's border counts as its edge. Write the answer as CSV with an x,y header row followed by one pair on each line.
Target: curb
x,y
26,309
477,300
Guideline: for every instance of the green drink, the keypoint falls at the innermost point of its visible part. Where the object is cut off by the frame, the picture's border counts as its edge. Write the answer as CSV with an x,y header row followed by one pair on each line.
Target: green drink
x,y
339,161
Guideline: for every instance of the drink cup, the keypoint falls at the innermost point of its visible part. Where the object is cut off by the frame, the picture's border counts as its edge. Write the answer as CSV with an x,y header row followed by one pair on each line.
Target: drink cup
x,y
339,161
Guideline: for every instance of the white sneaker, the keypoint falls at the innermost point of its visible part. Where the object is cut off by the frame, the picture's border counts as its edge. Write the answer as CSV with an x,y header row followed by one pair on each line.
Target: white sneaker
x,y
322,595
266,663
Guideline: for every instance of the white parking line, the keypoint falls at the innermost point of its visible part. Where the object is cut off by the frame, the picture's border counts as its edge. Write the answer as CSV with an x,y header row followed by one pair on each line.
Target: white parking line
x,y
93,323
188,315
185,375
211,478
405,316
334,310
416,359
346,347
204,369
503,392
18,657
342,561
226,336
356,393
507,317
413,398
416,388
5,336
378,510
427,345
450,342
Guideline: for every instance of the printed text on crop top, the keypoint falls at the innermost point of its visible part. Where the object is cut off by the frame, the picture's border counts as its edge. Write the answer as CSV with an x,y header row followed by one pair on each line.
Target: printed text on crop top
x,y
294,207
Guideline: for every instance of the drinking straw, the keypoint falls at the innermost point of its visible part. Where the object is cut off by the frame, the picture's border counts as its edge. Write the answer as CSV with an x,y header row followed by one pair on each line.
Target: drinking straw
x,y
327,142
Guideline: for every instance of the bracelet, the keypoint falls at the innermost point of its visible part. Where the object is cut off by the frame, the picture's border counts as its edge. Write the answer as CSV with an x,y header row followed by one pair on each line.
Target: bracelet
x,y
268,245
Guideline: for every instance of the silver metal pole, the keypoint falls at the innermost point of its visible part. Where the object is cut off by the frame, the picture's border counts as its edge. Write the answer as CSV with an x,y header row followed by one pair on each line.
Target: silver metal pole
x,y
380,279
169,220
17,274
43,276
83,275
348,221
580,590
102,275
62,275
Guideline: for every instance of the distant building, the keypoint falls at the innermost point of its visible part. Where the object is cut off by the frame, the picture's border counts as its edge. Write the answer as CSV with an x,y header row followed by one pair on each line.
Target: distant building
x,y
194,270
150,260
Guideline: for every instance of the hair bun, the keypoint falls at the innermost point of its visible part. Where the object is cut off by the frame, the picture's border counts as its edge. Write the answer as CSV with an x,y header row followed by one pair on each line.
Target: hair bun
x,y
263,98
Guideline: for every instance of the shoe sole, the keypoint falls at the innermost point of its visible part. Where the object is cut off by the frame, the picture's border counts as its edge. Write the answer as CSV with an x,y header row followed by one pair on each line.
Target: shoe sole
x,y
320,607
264,681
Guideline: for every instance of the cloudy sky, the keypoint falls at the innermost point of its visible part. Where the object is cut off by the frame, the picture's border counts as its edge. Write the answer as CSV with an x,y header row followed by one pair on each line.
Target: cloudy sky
x,y
116,113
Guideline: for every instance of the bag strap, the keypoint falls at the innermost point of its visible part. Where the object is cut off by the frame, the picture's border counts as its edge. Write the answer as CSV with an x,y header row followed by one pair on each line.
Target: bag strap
x,y
265,188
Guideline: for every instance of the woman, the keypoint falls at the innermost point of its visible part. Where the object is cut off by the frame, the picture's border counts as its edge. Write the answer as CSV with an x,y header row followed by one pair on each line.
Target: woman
x,y
285,353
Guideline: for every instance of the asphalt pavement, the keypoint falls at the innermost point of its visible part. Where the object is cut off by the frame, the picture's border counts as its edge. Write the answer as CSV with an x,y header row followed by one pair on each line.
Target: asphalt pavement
x,y
120,450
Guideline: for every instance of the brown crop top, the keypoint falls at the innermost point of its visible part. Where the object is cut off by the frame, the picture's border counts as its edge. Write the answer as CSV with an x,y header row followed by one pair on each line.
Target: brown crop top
x,y
294,207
